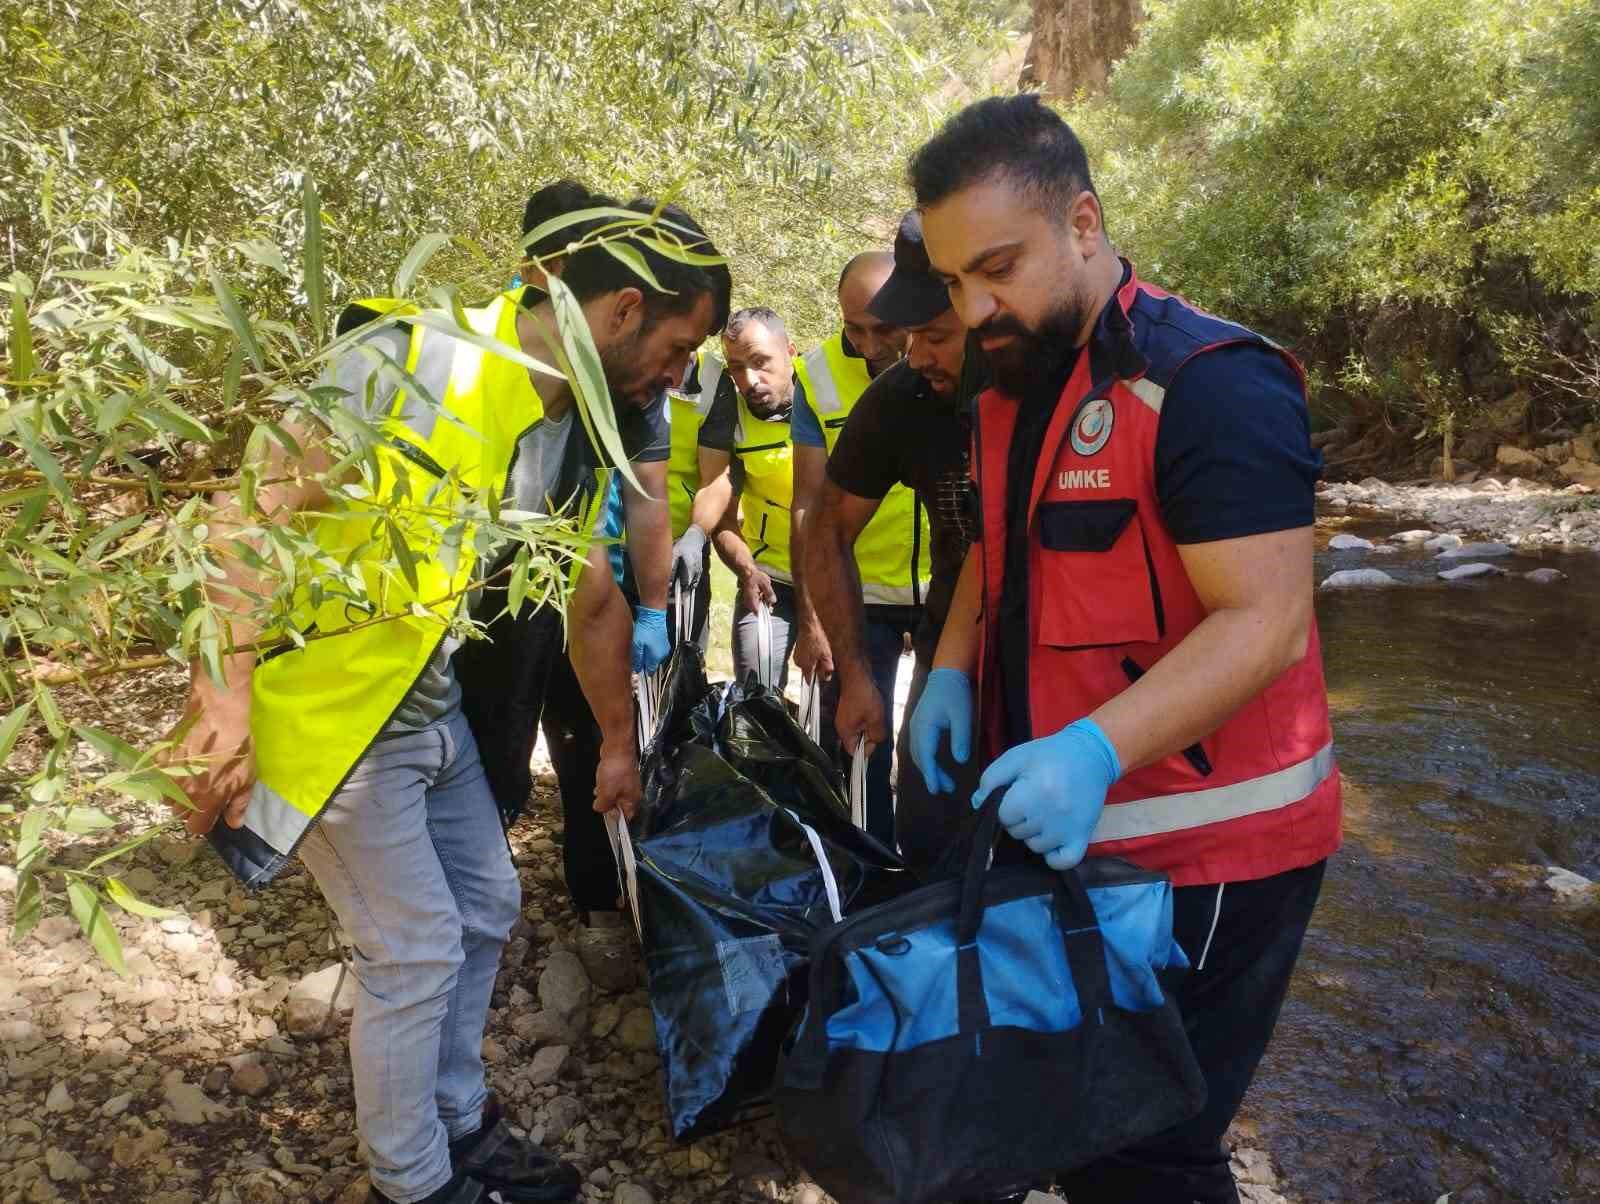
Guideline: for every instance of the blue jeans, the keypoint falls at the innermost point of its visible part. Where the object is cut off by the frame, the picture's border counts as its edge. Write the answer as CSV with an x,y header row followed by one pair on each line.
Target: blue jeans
x,y
411,856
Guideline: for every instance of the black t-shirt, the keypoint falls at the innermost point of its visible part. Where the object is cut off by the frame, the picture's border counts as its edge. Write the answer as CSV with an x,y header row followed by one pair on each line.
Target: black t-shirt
x,y
901,432
722,419
1233,458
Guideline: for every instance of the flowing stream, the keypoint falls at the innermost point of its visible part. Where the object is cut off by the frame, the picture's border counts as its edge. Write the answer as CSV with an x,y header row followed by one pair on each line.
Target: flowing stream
x,y
1443,1032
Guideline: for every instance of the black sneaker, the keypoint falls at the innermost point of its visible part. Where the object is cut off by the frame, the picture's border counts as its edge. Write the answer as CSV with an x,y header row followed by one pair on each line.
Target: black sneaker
x,y
509,1168
460,1190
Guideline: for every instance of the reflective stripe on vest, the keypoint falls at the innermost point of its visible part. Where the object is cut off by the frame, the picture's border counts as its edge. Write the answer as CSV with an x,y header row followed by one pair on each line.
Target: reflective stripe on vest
x,y
892,550
766,455
315,710
1175,812
686,412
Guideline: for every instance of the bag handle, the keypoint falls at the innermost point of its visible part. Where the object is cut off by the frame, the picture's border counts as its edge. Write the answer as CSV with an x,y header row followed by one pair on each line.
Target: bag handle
x,y
684,620
811,709
766,671
858,785
1080,931
830,884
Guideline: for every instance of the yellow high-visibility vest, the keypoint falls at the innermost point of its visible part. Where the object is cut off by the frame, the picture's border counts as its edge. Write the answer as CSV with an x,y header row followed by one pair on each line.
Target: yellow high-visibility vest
x,y
891,551
316,710
766,453
688,410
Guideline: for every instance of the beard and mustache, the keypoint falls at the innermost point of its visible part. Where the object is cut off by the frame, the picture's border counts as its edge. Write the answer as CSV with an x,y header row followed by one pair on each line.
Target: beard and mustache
x,y
1038,360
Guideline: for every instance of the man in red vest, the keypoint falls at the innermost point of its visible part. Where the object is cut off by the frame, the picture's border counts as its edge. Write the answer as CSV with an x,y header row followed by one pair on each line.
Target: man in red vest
x,y
1132,644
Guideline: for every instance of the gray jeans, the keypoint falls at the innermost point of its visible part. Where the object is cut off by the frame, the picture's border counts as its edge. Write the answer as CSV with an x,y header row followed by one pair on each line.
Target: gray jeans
x,y
412,859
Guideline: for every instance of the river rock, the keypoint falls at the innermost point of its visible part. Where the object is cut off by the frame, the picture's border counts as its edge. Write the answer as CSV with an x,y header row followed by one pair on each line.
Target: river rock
x,y
64,1168
560,1115
1349,543
1441,543
1386,549
564,986
632,1193
1517,460
188,1105
59,1100
1358,579
1468,571
1545,576
250,1078
548,1064
311,998
1581,472
1569,887
1416,536
637,1030
1474,549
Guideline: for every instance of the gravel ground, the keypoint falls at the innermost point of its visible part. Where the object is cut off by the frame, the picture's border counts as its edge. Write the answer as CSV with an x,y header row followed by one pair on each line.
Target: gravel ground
x,y
216,1070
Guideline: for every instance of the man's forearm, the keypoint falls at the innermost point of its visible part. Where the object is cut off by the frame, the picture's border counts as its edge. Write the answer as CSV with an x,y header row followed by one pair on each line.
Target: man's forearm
x,y
834,587
732,549
958,643
649,534
1222,664
599,631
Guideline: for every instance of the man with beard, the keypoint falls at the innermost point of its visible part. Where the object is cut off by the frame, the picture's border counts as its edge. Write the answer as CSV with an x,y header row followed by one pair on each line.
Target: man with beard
x,y
746,440
356,751
1137,611
911,428
891,551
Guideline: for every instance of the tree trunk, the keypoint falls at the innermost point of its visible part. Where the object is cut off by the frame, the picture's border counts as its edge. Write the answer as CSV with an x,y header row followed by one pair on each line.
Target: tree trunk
x,y
1076,43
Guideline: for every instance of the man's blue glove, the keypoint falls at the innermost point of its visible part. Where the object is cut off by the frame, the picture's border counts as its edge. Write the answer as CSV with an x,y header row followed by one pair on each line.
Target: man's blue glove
x,y
945,706
650,642
689,557
1057,789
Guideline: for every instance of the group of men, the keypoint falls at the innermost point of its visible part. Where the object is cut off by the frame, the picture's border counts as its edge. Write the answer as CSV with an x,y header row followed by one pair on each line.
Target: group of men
x,y
1087,502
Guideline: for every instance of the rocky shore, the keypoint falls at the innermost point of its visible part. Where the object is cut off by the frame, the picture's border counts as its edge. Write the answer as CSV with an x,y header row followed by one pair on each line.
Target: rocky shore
x,y
216,1071
1523,514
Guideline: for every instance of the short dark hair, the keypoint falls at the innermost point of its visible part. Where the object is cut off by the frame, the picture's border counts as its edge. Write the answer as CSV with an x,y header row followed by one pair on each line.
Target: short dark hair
x,y
1019,138
759,314
593,271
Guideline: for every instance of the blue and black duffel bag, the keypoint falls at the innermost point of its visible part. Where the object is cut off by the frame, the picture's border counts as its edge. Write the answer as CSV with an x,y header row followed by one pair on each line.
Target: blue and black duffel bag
x,y
979,1035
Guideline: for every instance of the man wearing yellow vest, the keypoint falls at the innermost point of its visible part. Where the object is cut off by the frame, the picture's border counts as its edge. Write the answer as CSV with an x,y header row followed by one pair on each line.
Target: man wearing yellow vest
x,y
891,552
688,407
354,750
745,448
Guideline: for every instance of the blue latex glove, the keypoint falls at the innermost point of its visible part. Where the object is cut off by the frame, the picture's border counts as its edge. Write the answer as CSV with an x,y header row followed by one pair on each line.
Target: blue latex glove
x,y
945,706
650,642
1057,789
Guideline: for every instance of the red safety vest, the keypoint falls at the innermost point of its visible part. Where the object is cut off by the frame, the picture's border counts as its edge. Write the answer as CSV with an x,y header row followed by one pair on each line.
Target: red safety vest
x,y
1108,597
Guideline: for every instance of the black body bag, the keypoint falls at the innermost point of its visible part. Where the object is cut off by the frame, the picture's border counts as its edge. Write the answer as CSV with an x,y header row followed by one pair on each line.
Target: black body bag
x,y
979,1035
742,851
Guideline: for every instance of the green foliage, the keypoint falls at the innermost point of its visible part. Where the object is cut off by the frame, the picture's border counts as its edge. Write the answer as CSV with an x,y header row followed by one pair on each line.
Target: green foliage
x,y
1391,185
190,190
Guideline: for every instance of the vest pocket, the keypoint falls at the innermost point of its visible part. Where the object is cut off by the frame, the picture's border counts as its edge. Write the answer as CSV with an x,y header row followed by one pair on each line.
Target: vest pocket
x,y
1096,586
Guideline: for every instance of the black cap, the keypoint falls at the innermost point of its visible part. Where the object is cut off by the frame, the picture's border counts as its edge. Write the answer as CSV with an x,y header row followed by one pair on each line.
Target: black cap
x,y
913,295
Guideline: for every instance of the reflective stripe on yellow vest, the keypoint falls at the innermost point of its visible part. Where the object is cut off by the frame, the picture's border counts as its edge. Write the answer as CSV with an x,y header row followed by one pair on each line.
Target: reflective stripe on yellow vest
x,y
766,455
687,412
891,551
315,710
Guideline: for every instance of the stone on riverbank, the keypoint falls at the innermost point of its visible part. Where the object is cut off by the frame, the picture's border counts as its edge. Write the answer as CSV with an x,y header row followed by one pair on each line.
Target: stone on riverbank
x,y
1545,576
1349,543
1474,549
1569,887
1358,579
1442,543
1415,536
1468,571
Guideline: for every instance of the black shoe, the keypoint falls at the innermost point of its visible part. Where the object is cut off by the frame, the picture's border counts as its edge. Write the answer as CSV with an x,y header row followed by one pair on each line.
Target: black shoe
x,y
461,1189
511,1168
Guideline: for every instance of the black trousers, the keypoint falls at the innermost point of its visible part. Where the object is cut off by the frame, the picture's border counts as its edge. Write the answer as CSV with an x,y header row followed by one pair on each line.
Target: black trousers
x,y
572,737
1248,937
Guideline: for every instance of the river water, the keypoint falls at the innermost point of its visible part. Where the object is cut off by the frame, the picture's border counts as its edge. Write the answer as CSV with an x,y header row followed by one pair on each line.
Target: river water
x,y
1443,1032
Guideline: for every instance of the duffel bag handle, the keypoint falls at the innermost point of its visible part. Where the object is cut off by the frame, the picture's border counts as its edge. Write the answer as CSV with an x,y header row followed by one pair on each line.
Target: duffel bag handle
x,y
1080,931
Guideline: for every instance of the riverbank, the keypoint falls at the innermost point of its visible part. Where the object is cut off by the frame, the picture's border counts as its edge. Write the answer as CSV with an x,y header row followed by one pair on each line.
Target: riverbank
x,y
216,1071
1522,514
